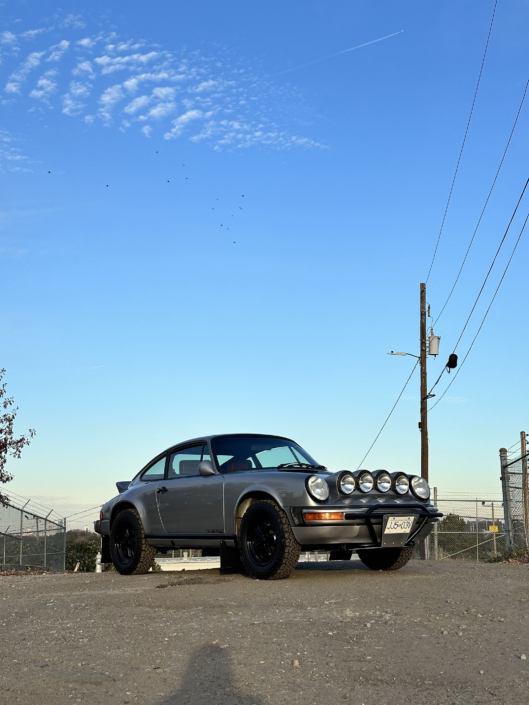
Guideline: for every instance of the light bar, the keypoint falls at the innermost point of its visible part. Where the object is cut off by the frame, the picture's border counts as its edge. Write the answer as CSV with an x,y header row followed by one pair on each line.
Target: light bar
x,y
324,516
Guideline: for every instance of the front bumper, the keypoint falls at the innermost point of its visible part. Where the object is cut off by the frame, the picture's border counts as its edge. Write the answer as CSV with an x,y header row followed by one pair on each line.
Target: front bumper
x,y
102,527
361,527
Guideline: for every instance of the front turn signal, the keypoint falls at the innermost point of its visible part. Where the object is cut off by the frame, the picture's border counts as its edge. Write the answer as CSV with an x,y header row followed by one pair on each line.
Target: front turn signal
x,y
324,516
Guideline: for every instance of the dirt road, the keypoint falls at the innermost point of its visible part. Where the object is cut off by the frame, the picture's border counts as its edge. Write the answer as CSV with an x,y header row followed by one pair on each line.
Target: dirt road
x,y
430,633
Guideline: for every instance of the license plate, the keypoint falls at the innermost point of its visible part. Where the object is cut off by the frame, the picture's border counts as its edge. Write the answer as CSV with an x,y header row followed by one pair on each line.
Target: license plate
x,y
399,525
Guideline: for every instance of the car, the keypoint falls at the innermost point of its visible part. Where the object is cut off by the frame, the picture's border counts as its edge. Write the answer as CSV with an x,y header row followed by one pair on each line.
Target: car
x,y
258,501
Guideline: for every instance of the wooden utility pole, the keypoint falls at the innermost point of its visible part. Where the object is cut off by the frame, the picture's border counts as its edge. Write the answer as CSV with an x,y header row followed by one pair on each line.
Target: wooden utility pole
x,y
424,389
523,441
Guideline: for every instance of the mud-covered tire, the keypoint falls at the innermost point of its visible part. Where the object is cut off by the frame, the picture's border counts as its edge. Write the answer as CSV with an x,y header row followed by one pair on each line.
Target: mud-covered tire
x,y
267,546
130,552
386,558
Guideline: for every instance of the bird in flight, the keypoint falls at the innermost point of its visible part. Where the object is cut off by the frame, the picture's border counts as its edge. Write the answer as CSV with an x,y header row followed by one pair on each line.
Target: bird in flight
x,y
49,172
107,185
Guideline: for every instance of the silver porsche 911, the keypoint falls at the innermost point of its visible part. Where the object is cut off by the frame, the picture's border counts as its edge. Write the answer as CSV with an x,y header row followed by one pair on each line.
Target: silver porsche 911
x,y
258,501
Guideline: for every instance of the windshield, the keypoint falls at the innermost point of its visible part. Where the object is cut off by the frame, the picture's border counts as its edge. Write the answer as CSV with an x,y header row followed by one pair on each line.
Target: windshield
x,y
240,453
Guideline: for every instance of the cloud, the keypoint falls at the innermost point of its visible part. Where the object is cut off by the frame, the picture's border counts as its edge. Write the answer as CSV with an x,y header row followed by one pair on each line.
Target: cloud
x,y
181,122
159,111
75,21
20,75
147,130
72,104
32,33
108,100
87,43
82,68
58,50
119,63
164,93
138,104
8,38
45,87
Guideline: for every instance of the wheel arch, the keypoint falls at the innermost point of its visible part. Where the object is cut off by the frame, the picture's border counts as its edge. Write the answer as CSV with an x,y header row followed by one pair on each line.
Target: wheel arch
x,y
118,508
249,498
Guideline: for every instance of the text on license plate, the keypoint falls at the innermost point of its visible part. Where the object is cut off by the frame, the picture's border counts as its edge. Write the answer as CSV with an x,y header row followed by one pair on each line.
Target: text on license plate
x,y
399,525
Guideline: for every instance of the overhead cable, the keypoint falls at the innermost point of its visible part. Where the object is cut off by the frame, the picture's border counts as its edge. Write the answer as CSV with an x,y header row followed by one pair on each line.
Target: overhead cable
x,y
486,204
464,140
486,314
388,416
492,265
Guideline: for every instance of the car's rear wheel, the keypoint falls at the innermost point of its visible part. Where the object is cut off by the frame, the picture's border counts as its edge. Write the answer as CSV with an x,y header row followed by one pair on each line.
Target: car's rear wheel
x,y
130,552
386,558
267,546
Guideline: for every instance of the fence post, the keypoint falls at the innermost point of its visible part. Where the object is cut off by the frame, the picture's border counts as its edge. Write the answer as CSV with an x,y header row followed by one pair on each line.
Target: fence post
x,y
435,529
45,540
477,532
494,533
506,498
64,554
21,527
4,549
525,493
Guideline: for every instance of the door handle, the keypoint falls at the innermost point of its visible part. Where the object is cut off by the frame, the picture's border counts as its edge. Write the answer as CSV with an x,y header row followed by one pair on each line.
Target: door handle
x,y
161,490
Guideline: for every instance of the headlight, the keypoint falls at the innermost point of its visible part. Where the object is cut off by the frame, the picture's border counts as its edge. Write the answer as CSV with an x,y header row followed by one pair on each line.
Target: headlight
x,y
383,482
346,483
420,487
402,484
365,481
318,488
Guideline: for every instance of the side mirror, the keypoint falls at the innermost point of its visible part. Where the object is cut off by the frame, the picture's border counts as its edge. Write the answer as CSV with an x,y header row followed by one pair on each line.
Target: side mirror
x,y
206,468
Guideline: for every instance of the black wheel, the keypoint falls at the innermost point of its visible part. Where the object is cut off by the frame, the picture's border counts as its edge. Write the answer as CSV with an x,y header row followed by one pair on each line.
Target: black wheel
x,y
386,558
131,554
267,546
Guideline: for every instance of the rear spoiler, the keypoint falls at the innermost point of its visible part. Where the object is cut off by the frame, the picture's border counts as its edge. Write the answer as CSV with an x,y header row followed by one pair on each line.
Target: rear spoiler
x,y
122,486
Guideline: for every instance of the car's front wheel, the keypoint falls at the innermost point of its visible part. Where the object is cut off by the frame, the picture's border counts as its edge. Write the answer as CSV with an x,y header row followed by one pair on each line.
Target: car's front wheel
x,y
267,546
386,558
130,552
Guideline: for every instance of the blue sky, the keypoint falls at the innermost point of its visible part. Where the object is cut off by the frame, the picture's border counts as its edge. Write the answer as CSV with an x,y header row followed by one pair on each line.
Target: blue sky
x,y
224,244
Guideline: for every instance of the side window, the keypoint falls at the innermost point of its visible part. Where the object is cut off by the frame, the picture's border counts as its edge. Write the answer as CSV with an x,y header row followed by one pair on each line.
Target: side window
x,y
185,462
156,471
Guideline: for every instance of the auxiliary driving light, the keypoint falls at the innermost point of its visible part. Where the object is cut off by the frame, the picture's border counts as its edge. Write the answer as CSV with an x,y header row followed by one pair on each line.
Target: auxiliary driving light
x,y
346,483
420,488
365,481
402,484
383,482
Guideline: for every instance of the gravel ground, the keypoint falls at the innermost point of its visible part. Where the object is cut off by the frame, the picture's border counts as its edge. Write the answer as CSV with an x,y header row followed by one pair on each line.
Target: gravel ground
x,y
431,633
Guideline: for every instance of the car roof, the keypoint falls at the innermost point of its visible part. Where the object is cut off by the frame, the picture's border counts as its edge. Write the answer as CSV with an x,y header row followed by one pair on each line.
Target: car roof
x,y
225,435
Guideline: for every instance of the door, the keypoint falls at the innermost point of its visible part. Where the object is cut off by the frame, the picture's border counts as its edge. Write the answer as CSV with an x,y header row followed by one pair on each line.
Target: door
x,y
145,497
188,502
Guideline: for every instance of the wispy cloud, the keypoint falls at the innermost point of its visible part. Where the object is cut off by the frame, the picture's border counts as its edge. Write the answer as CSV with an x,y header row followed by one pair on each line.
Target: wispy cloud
x,y
125,83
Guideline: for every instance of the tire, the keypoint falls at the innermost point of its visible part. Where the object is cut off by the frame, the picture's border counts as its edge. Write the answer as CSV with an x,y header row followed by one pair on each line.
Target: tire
x,y
386,558
130,552
267,546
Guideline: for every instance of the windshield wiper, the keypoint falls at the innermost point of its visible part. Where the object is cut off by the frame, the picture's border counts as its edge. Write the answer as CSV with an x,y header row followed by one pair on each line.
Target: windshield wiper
x,y
301,465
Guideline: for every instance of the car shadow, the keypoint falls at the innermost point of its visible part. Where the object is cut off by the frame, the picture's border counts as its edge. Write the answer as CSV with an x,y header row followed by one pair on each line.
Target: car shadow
x,y
331,565
210,679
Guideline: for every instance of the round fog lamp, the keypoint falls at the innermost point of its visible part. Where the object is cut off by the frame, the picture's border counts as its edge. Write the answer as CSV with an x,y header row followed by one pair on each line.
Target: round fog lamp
x,y
420,487
318,488
366,482
402,484
383,482
346,483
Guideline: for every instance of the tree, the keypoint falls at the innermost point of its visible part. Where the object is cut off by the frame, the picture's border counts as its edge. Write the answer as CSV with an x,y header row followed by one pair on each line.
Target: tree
x,y
9,444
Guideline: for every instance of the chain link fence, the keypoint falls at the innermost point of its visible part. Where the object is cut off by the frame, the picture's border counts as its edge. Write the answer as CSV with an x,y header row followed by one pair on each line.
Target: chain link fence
x,y
470,530
516,501
31,535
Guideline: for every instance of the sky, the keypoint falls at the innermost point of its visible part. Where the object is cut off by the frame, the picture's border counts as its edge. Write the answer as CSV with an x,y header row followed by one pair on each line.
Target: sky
x,y
215,217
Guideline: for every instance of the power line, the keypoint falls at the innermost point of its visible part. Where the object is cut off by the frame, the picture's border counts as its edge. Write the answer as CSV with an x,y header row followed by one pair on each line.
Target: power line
x,y
492,265
485,316
84,511
388,416
464,140
486,204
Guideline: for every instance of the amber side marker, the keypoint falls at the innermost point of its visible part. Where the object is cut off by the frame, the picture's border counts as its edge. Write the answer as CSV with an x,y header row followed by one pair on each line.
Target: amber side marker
x,y
324,516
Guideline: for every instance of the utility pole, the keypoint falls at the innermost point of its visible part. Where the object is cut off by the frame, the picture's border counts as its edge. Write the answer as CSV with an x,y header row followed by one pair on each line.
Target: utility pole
x,y
423,425
523,441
